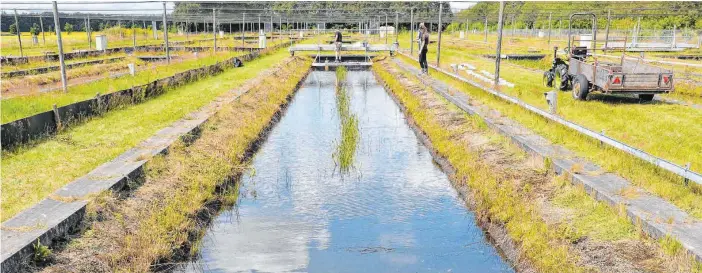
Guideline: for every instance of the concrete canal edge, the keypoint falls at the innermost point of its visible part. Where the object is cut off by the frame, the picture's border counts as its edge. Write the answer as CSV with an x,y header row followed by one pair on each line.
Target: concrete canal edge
x,y
61,212
655,216
495,232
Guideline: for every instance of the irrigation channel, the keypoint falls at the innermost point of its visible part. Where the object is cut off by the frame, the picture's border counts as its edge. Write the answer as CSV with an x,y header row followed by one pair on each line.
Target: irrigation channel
x,y
297,210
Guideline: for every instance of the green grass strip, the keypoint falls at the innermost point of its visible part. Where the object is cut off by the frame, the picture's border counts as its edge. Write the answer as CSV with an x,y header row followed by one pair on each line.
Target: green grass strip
x,y
24,106
666,185
31,174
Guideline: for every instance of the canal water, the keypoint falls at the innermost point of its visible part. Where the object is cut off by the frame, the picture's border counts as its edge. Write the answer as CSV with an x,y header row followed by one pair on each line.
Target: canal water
x,y
394,211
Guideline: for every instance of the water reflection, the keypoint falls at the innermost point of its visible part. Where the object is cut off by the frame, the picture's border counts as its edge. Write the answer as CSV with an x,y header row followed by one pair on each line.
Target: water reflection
x,y
396,211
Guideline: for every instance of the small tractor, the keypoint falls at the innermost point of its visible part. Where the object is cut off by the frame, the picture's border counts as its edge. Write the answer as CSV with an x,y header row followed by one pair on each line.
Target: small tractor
x,y
584,73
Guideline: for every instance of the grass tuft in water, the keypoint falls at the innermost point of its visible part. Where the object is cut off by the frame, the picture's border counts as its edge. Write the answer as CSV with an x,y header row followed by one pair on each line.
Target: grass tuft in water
x,y
346,149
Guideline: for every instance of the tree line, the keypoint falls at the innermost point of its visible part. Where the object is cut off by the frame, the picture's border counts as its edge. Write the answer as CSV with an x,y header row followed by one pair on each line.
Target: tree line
x,y
625,15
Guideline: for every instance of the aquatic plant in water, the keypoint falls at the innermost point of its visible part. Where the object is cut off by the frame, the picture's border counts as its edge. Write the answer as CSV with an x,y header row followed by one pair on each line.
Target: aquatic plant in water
x,y
346,148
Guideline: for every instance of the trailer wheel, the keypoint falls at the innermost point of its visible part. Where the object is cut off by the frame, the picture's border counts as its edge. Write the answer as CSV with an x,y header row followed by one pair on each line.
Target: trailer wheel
x,y
646,97
580,87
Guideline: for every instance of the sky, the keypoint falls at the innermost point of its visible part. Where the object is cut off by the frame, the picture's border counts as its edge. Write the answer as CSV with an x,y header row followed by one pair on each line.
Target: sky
x,y
122,8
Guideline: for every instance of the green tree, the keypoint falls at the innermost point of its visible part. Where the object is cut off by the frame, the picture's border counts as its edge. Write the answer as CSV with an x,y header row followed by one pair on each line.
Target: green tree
x,y
34,30
68,28
13,29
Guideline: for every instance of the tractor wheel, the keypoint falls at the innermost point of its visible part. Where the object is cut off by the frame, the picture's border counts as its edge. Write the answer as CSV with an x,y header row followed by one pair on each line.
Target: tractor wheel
x,y
646,97
580,87
548,79
562,77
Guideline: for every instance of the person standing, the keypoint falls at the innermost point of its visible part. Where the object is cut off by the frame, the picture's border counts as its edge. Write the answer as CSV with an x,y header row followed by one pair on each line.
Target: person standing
x,y
337,43
423,48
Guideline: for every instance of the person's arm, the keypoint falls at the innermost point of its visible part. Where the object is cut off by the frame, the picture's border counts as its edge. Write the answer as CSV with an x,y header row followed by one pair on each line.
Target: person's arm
x,y
421,42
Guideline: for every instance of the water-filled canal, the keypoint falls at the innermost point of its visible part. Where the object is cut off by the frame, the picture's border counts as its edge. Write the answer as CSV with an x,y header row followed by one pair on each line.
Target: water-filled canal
x,y
395,211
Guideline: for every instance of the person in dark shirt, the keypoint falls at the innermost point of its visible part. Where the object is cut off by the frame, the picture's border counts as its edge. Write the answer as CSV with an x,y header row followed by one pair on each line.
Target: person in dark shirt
x,y
337,43
423,48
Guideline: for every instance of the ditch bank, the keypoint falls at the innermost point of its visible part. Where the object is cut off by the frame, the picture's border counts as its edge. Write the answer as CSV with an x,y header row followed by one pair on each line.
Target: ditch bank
x,y
494,231
61,215
656,217
522,192
48,123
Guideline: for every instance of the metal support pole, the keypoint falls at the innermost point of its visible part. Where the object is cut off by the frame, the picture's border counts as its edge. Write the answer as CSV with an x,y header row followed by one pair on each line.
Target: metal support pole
x,y
165,34
272,40
486,30
134,31
64,83
89,32
386,28
672,45
397,28
243,29
466,31
85,27
438,43
411,38
19,33
214,29
549,29
498,55
43,35
606,42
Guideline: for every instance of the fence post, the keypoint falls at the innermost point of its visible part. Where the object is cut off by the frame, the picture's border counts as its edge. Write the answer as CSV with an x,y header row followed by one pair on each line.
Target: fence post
x,y
165,34
19,33
498,55
60,47
57,117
